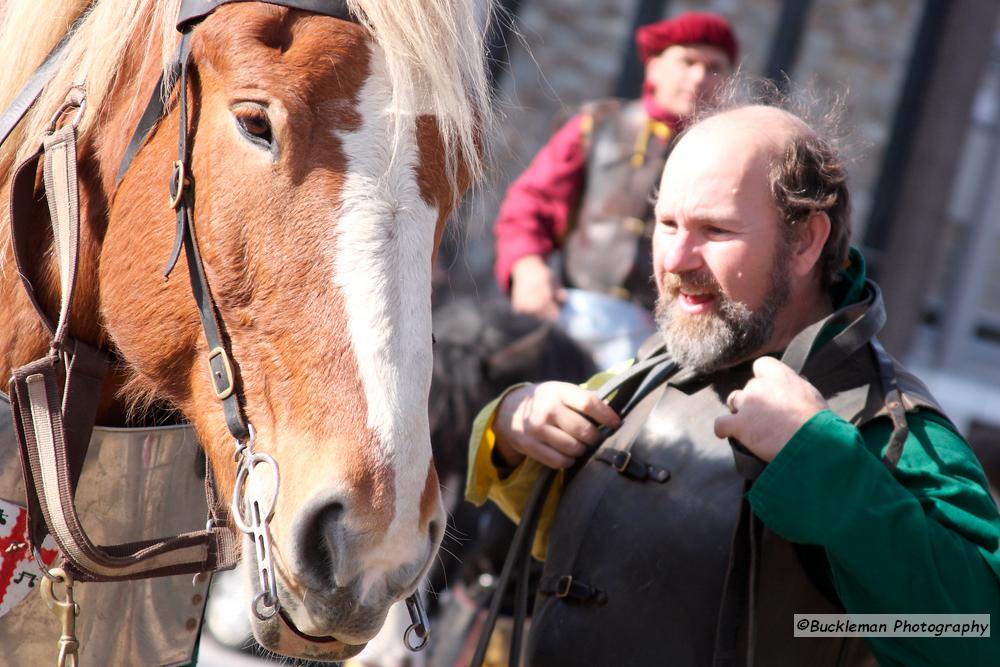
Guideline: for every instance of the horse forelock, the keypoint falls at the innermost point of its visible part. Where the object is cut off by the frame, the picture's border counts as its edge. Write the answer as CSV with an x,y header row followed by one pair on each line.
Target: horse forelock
x,y
350,256
116,39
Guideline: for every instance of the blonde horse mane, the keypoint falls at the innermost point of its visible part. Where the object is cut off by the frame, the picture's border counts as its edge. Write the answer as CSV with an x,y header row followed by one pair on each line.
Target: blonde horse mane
x,y
433,54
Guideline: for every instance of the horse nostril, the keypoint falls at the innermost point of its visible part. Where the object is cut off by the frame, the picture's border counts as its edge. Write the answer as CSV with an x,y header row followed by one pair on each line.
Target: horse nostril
x,y
435,531
319,546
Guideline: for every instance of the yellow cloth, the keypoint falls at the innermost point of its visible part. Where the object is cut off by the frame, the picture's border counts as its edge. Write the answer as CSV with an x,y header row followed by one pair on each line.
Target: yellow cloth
x,y
510,494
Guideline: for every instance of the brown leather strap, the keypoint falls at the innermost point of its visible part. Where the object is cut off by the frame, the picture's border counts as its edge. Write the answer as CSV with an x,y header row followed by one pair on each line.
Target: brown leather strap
x,y
22,205
631,467
222,367
43,441
893,406
193,11
53,427
32,88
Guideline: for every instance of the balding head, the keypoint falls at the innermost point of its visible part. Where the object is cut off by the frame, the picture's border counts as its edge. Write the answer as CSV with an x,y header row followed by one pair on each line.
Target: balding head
x,y
745,214
803,173
765,126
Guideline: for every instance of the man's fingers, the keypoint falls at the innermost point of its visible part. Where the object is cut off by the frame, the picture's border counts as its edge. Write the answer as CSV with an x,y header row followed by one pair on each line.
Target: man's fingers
x,y
725,426
577,426
770,367
545,454
587,403
561,441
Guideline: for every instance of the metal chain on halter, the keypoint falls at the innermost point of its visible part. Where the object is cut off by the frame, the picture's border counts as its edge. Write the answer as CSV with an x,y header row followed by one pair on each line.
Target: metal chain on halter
x,y
249,513
266,603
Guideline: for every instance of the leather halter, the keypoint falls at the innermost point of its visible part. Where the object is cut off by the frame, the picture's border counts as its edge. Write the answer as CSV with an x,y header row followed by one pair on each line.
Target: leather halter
x,y
53,433
34,388
221,364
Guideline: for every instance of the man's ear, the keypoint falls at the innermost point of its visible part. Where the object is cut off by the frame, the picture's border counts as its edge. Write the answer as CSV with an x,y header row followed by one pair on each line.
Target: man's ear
x,y
809,242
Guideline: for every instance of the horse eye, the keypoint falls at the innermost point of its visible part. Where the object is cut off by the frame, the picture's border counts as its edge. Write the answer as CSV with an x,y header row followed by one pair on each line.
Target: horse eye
x,y
253,123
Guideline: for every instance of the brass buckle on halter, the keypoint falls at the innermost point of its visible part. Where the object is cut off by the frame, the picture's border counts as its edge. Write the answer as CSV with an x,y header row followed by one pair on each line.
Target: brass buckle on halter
x,y
622,462
225,373
178,180
564,585
66,610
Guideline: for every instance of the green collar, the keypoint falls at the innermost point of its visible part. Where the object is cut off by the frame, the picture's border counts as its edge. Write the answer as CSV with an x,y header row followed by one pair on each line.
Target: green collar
x,y
848,288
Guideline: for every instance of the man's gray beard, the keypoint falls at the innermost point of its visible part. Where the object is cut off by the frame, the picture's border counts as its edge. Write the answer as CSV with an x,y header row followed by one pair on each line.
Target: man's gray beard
x,y
713,341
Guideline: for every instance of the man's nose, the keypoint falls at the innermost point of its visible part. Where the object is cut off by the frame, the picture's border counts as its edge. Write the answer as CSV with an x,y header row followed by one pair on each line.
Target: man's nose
x,y
681,253
698,74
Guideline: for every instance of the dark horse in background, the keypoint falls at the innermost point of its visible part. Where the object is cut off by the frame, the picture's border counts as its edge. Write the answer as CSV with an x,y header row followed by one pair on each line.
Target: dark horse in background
x,y
480,350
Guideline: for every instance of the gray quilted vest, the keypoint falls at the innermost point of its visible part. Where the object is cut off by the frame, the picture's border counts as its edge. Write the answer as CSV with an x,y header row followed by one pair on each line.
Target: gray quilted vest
x,y
654,557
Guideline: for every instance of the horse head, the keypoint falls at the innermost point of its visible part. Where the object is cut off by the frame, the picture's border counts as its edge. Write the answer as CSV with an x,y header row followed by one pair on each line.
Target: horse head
x,y
325,158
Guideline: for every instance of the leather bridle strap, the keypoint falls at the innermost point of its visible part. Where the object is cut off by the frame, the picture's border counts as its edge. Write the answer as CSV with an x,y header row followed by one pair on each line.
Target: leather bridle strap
x,y
191,13
53,428
182,197
623,392
155,109
32,88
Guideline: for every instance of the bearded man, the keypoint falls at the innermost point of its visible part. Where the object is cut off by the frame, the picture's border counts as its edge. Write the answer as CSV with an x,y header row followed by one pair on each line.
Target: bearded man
x,y
737,492
585,196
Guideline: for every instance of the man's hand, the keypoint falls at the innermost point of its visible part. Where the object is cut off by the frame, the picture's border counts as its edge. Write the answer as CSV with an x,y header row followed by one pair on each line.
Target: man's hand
x,y
768,411
534,289
548,422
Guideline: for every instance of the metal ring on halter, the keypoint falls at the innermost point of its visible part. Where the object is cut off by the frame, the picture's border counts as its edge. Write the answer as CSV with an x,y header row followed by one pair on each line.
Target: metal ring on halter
x,y
419,627
422,634
63,108
256,525
246,466
273,606
178,180
240,446
37,555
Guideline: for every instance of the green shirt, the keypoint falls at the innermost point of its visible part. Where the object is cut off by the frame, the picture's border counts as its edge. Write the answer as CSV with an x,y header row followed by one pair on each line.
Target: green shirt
x,y
922,540
925,539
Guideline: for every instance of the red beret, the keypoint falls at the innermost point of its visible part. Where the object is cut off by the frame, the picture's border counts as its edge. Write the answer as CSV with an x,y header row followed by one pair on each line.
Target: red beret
x,y
687,28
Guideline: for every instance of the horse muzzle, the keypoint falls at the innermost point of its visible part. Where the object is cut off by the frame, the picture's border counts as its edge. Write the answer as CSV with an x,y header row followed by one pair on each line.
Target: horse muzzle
x,y
279,635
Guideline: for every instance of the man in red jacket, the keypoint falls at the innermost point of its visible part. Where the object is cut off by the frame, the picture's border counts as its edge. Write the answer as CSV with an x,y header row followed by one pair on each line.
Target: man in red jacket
x,y
588,191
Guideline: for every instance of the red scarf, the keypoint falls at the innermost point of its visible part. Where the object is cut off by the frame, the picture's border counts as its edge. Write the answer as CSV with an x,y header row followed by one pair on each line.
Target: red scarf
x,y
656,112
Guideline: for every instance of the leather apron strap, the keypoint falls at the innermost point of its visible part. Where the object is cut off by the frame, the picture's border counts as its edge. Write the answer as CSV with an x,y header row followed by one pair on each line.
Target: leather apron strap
x,y
858,324
53,427
622,392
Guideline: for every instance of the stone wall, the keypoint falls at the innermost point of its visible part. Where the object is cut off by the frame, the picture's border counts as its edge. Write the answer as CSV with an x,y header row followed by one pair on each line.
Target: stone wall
x,y
569,51
564,52
860,49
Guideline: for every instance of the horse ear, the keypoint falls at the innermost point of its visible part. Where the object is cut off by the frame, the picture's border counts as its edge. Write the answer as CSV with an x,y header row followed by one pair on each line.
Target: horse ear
x,y
519,359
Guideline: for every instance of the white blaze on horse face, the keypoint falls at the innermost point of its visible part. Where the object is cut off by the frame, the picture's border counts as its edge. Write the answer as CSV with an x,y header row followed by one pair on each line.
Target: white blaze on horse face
x,y
382,267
